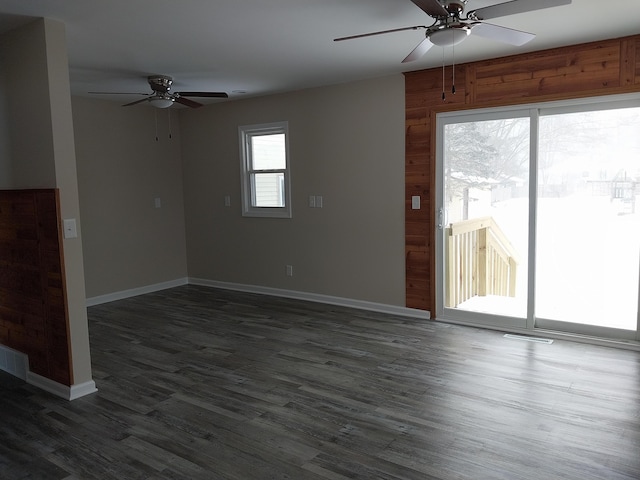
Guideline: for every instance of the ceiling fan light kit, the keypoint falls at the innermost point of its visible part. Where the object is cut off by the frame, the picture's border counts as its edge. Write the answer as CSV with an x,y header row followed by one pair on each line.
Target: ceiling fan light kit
x,y
448,37
161,102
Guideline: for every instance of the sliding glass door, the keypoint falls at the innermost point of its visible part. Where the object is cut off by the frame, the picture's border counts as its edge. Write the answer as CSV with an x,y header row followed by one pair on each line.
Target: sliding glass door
x,y
539,220
486,206
588,223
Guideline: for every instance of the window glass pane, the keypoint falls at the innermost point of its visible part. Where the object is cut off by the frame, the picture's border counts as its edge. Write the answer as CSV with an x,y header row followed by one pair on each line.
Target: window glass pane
x,y
268,190
486,169
268,152
588,224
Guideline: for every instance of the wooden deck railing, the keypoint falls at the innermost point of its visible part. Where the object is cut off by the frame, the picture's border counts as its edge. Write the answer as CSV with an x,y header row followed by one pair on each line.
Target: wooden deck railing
x,y
479,261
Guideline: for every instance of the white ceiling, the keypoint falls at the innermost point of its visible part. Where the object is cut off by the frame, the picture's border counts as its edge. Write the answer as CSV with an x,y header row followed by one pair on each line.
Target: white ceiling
x,y
268,46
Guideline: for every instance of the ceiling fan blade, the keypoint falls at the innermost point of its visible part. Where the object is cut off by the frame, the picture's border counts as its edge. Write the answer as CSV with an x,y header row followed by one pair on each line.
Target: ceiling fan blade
x,y
433,8
514,7
351,37
422,48
188,103
136,102
116,93
501,34
204,94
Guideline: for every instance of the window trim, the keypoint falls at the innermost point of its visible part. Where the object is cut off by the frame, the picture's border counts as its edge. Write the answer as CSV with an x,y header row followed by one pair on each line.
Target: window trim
x,y
246,132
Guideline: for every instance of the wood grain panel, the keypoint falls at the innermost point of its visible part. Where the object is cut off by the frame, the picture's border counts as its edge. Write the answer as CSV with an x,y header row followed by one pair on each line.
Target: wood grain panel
x,y
33,314
634,53
593,69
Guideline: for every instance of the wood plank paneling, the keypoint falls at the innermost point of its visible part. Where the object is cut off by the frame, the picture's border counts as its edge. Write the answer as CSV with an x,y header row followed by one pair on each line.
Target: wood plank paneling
x,y
578,71
33,315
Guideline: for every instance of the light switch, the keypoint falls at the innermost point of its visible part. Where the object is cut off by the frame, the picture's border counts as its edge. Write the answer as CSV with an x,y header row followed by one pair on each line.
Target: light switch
x,y
227,200
315,201
70,230
157,202
415,202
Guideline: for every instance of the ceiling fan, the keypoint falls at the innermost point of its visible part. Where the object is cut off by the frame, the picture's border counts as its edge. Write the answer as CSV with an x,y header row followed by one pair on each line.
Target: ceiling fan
x,y
163,97
450,27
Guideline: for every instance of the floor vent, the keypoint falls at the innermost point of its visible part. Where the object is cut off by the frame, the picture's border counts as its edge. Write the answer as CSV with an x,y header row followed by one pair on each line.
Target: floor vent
x,y
546,341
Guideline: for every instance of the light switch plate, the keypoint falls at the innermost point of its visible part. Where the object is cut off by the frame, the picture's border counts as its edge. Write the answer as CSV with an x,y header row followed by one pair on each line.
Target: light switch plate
x,y
415,202
70,230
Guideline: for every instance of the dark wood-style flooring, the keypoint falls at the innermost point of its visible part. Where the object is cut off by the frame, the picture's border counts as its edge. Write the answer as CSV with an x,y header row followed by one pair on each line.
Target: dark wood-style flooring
x,y
198,383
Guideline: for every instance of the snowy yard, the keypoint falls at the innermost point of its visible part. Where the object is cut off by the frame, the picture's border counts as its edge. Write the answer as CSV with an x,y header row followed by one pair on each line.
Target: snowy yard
x,y
588,260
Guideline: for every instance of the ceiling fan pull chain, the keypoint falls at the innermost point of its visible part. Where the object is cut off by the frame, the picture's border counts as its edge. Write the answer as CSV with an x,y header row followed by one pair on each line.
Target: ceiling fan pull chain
x,y
155,114
453,70
169,113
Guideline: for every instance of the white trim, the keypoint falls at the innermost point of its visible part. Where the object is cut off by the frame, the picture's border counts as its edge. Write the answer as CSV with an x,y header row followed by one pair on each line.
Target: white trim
x,y
134,292
314,297
575,104
60,390
17,364
82,389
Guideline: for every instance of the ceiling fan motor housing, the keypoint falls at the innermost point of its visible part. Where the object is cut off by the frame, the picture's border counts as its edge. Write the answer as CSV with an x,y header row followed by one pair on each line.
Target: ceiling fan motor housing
x,y
455,8
160,83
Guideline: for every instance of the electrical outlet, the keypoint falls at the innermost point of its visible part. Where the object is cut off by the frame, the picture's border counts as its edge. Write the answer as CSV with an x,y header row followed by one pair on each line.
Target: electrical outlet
x,y
289,270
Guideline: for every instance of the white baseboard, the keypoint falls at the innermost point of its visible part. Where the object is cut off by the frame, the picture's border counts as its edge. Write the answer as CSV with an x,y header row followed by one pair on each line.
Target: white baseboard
x,y
276,292
314,297
67,392
17,364
134,292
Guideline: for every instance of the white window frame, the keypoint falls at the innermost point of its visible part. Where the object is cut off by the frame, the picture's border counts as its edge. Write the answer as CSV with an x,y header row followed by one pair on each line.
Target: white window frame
x,y
246,133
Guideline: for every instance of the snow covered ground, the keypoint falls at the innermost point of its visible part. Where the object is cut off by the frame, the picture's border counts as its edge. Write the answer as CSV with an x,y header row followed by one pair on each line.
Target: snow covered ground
x,y
587,255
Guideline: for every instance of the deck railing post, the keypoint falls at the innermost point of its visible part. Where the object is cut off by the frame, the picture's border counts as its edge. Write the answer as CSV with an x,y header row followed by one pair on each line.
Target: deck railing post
x,y
481,249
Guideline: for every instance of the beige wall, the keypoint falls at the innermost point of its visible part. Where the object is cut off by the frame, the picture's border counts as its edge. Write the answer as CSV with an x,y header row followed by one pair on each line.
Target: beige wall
x,y
346,144
42,151
5,140
128,243
23,56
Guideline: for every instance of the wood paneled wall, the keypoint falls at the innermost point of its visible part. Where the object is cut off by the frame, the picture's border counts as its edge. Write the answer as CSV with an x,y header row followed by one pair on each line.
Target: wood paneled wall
x,y
587,70
33,313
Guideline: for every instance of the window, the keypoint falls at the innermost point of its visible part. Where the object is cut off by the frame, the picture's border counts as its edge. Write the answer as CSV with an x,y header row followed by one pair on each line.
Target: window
x,y
266,189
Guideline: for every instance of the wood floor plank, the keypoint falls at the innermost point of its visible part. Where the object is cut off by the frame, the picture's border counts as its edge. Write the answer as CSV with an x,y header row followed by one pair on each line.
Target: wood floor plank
x,y
200,383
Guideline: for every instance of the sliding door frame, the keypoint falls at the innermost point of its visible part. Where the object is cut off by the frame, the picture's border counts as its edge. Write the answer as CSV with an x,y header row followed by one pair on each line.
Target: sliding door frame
x,y
530,324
